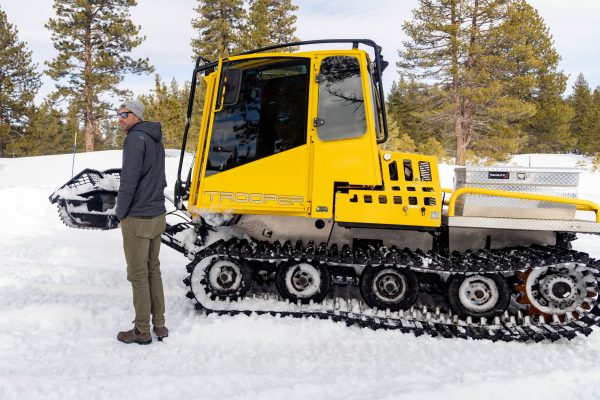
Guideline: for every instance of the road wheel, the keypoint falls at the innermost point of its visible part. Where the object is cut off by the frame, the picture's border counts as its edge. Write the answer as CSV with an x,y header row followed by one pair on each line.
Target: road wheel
x,y
227,278
478,295
389,287
303,281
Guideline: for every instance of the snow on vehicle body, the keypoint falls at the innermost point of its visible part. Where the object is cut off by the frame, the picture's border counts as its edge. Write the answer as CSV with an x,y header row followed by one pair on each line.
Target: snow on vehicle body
x,y
304,215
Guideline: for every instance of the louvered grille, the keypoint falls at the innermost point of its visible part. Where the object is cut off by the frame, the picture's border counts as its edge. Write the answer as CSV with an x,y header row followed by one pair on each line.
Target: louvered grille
x,y
425,171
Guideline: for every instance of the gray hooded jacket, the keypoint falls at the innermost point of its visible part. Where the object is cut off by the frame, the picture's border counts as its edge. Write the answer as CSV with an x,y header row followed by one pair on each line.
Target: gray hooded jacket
x,y
143,180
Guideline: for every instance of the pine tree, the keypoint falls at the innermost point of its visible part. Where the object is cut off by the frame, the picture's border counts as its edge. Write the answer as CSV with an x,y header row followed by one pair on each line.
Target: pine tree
x,y
489,59
446,44
52,127
416,107
164,106
549,130
582,102
270,22
19,83
220,26
431,147
595,122
168,105
93,39
527,49
110,135
403,104
397,141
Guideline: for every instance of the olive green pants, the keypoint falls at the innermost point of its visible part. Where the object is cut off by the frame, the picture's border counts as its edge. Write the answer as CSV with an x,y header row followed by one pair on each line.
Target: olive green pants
x,y
141,243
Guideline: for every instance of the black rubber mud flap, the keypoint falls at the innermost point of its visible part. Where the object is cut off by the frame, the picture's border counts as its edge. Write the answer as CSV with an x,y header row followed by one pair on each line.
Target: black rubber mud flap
x,y
88,200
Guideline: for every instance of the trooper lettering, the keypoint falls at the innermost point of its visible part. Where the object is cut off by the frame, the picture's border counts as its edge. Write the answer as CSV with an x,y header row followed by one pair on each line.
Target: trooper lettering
x,y
241,197
254,198
285,200
269,197
226,196
211,195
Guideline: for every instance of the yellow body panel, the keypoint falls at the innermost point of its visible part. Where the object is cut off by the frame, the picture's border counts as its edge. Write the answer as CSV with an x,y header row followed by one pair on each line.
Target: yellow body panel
x,y
273,185
415,202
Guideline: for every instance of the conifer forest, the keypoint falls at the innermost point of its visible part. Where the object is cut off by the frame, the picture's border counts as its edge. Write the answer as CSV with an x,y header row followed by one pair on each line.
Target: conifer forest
x,y
477,79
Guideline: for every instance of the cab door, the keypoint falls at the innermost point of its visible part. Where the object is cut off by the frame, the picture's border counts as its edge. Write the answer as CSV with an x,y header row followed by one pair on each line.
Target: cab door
x,y
345,150
257,155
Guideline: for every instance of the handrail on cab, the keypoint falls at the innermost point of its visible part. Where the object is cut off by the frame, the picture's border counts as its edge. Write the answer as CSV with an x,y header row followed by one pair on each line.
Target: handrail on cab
x,y
581,205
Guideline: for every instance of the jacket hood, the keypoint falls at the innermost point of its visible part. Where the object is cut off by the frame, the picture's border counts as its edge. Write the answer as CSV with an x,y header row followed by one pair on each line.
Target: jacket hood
x,y
152,129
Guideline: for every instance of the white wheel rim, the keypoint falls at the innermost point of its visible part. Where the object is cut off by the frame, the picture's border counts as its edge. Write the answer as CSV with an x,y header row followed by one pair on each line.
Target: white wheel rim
x,y
225,276
389,286
478,293
303,280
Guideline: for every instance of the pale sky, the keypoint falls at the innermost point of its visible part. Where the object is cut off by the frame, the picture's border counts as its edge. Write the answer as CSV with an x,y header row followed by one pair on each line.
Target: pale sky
x,y
574,25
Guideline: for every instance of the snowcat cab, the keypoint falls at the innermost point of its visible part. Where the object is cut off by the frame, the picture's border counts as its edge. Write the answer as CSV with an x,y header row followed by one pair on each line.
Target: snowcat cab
x,y
293,210
296,134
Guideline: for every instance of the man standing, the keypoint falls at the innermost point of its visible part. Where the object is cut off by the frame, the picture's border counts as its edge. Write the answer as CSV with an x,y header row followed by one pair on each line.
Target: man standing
x,y
141,210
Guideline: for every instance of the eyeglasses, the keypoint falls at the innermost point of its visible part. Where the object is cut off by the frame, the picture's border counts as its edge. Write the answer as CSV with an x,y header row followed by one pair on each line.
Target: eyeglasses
x,y
124,114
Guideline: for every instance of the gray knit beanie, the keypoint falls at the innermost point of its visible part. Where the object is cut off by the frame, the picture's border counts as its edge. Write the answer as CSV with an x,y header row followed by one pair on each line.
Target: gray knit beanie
x,y
136,107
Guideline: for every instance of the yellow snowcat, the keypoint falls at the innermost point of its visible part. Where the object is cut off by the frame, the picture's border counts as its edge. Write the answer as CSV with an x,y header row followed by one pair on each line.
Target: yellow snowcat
x,y
293,210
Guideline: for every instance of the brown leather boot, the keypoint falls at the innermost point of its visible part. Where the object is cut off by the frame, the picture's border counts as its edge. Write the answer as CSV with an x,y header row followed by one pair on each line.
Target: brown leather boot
x,y
134,336
161,332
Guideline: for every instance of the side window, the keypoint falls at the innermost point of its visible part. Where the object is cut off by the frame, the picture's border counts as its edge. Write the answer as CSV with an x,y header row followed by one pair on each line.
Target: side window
x,y
341,100
270,115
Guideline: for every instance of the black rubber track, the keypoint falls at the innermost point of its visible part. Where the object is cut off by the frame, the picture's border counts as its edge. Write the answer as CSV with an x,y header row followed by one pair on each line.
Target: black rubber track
x,y
508,327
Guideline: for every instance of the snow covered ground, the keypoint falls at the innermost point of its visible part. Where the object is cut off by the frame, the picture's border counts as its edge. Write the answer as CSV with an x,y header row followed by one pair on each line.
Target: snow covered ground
x,y
64,295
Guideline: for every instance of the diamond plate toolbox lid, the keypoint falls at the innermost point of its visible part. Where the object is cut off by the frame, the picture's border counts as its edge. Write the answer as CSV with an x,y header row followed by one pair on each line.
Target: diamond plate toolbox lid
x,y
519,176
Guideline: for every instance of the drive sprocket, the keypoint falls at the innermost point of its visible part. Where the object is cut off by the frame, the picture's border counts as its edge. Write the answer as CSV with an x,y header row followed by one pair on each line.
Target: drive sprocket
x,y
559,292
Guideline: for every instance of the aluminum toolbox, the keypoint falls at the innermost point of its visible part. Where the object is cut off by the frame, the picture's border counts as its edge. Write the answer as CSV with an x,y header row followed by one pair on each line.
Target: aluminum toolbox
x,y
549,181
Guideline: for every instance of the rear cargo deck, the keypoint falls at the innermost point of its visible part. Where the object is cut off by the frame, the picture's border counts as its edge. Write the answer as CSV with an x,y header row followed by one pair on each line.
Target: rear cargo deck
x,y
523,224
